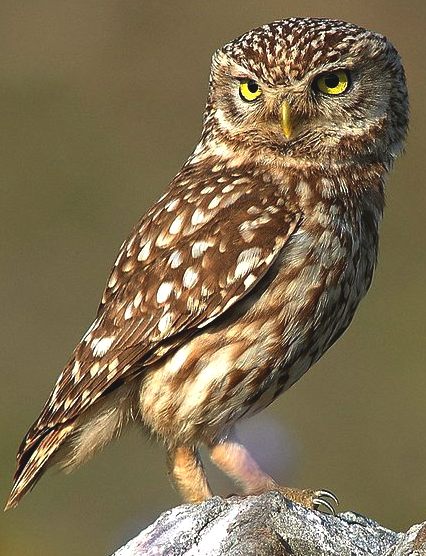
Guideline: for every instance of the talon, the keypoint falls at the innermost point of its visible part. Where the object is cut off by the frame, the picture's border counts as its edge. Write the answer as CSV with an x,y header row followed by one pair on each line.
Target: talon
x,y
328,494
321,502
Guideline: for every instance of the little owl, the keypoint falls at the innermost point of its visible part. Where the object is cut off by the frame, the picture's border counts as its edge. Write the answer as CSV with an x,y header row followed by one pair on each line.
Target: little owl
x,y
248,268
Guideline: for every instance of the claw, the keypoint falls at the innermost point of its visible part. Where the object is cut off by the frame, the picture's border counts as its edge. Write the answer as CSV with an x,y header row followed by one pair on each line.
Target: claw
x,y
328,494
321,502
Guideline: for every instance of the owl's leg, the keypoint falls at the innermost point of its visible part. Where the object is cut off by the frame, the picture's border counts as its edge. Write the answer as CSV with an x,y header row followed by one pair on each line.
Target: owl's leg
x,y
187,472
235,460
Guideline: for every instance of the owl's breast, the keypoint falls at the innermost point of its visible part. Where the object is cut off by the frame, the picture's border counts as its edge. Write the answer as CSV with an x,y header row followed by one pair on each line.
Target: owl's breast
x,y
324,272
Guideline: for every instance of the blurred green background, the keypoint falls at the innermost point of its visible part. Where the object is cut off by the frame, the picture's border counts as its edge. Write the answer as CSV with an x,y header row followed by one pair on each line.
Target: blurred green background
x,y
100,104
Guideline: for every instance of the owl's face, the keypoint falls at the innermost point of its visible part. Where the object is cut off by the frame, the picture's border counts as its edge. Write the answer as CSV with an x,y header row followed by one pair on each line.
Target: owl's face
x,y
310,88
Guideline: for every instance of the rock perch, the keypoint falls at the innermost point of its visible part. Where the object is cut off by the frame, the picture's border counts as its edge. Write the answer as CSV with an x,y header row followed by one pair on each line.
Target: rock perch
x,y
269,525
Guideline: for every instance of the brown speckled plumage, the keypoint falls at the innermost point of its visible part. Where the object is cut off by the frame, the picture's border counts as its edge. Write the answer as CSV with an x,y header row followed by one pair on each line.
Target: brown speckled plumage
x,y
248,268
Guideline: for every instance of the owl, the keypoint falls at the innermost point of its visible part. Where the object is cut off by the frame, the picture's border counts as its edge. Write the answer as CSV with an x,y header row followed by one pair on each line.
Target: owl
x,y
248,268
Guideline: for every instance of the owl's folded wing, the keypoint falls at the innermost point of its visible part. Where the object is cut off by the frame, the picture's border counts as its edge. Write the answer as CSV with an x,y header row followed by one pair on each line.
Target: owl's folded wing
x,y
185,265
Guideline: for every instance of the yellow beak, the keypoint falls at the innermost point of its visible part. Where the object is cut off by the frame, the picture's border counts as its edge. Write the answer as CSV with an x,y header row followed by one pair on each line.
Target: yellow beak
x,y
285,120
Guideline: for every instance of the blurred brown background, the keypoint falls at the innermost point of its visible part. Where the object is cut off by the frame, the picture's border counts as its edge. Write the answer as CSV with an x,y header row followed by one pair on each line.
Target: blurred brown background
x,y
100,103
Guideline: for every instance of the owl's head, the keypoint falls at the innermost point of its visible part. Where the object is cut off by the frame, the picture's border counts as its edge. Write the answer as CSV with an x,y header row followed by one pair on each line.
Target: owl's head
x,y
311,88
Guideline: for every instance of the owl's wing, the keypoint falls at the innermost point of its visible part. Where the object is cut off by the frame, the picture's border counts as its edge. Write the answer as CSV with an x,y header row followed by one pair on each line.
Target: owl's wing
x,y
195,254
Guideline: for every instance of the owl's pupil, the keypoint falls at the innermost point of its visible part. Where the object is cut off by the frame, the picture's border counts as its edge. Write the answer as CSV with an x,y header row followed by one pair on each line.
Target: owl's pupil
x,y
331,80
252,86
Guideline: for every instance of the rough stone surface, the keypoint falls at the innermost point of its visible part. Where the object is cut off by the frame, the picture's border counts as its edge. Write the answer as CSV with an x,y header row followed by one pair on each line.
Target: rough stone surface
x,y
269,525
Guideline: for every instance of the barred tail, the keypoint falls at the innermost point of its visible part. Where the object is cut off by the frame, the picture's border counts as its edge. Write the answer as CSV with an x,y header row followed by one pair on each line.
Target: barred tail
x,y
32,462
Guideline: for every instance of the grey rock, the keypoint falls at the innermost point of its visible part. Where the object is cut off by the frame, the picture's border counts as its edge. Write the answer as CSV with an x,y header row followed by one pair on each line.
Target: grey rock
x,y
269,525
412,543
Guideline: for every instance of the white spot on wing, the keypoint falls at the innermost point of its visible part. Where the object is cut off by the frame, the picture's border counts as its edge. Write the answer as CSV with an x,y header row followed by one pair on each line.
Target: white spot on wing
x,y
164,323
176,225
113,280
240,180
172,205
163,239
249,280
101,345
128,314
113,365
75,370
215,202
137,300
190,277
85,394
112,369
94,369
164,291
145,251
175,259
198,217
229,303
246,231
128,265
247,260
199,248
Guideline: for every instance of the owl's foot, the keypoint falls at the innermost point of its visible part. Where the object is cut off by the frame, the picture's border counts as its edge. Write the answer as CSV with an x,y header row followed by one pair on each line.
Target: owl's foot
x,y
312,499
233,458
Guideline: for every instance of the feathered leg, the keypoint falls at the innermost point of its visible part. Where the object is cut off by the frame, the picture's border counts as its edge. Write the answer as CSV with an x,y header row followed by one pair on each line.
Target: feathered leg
x,y
187,473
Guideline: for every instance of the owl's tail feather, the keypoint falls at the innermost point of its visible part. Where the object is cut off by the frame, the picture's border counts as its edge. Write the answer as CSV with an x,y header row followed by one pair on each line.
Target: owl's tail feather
x,y
32,463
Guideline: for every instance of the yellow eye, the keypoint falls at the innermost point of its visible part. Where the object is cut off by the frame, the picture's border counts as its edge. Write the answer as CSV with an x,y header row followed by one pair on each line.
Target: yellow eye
x,y
332,83
250,90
